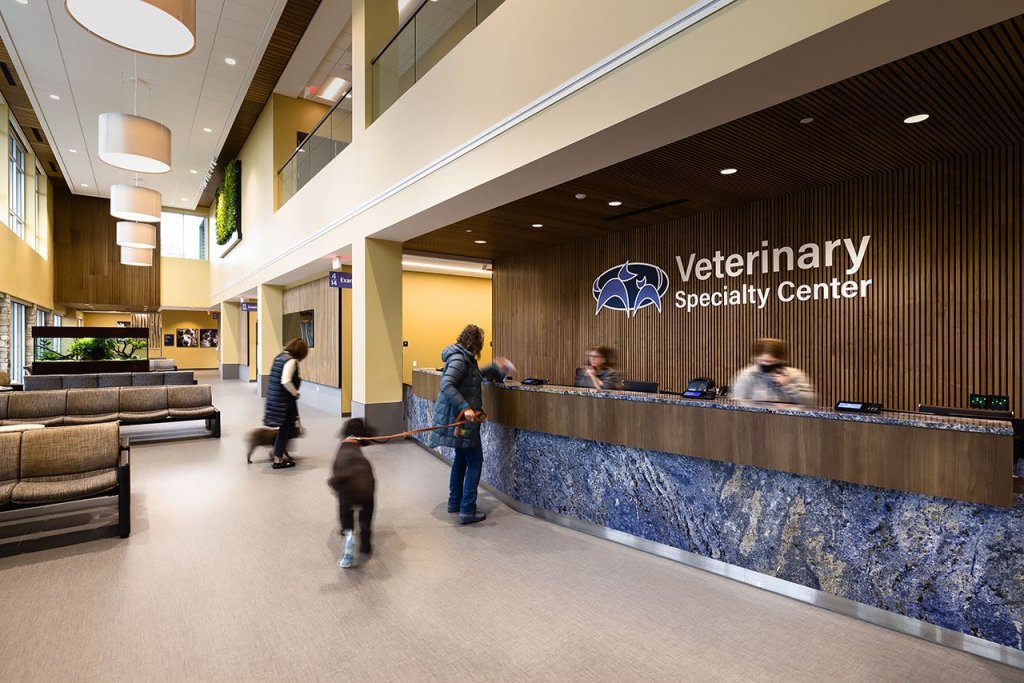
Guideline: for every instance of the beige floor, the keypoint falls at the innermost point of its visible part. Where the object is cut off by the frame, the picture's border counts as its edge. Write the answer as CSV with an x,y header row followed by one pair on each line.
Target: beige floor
x,y
230,574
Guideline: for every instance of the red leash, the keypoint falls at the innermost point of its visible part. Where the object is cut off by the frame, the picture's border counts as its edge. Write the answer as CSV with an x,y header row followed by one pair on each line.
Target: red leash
x,y
402,435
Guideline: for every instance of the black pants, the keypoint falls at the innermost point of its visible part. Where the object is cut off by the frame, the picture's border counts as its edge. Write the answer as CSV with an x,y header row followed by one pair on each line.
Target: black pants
x,y
284,432
347,515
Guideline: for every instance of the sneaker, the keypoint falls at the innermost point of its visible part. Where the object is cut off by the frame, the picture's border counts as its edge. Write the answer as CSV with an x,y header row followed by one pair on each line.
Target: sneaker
x,y
472,518
347,558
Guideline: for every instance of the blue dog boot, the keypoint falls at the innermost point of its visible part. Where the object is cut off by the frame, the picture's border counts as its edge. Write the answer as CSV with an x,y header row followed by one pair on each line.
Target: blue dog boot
x,y
348,553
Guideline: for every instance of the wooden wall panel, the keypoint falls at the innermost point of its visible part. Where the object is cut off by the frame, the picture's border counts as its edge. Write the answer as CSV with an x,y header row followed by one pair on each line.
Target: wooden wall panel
x,y
323,364
87,260
943,317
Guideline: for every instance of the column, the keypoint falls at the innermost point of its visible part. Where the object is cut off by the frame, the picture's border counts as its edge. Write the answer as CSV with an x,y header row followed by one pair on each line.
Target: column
x,y
377,334
373,23
231,340
269,332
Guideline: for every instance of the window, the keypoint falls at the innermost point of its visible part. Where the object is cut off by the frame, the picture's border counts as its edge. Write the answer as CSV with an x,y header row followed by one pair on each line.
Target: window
x,y
16,153
17,342
40,317
40,234
58,320
182,235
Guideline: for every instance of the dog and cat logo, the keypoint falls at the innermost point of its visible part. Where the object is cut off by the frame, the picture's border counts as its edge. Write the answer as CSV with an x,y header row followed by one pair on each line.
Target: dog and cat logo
x,y
630,287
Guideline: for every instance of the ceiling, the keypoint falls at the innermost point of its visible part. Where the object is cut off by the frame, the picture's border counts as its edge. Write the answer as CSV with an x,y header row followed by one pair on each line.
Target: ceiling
x,y
188,94
972,87
324,51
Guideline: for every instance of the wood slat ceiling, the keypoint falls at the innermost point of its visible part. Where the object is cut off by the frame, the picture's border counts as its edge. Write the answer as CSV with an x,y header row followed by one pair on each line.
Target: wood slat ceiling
x,y
17,99
972,87
290,27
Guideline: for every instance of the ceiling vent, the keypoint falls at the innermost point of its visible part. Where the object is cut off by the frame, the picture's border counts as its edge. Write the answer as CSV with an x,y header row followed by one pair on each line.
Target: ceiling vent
x,y
7,74
646,209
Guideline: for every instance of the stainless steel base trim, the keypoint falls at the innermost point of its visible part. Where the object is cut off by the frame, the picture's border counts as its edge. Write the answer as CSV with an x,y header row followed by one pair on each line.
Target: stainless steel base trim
x,y
849,608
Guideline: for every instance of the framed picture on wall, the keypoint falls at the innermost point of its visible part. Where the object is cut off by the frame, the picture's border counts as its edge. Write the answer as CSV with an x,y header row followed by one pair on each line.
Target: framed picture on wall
x,y
168,340
188,337
208,338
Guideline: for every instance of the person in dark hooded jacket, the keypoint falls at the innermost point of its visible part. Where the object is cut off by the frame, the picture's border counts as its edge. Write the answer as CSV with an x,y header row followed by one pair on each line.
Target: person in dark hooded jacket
x,y
460,396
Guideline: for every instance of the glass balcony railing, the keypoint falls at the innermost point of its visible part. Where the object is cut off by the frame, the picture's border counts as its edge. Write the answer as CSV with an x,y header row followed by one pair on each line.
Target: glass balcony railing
x,y
331,135
420,43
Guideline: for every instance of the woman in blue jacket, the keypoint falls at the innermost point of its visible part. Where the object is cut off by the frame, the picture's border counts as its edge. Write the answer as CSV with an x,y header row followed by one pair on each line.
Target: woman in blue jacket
x,y
460,396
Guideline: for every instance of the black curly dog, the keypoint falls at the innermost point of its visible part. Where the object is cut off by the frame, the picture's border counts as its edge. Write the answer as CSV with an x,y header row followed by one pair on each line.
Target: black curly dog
x,y
352,479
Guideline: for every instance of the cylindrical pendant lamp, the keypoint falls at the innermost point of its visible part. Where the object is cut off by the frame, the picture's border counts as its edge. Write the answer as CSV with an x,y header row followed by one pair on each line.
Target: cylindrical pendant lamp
x,y
136,235
135,143
166,28
130,256
132,203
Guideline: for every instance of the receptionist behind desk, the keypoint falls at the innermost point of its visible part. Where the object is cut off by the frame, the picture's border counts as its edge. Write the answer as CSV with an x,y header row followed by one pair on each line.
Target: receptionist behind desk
x,y
599,372
769,378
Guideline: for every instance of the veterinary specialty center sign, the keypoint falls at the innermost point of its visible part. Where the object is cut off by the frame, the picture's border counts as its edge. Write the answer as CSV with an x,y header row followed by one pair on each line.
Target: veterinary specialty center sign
x,y
632,286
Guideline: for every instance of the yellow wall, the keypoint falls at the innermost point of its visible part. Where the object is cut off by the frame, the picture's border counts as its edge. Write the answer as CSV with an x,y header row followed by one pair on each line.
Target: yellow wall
x,y
184,282
25,273
189,359
435,308
291,116
105,319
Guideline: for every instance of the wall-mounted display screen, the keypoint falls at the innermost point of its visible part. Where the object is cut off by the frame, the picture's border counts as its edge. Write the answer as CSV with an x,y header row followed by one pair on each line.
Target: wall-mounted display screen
x,y
300,325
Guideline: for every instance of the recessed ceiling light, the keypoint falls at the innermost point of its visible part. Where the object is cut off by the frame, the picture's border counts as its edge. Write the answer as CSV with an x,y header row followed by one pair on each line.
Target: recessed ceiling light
x,y
22,2
184,199
538,225
207,130
615,203
73,151
85,184
580,195
54,97
807,119
916,118
469,230
230,61
192,170
727,171
480,241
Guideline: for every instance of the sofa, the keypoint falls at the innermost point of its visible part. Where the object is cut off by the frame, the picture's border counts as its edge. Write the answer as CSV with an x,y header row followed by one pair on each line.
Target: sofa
x,y
127,405
52,466
108,379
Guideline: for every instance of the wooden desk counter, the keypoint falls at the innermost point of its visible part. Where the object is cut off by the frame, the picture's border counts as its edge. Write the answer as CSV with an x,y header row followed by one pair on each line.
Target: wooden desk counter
x,y
969,460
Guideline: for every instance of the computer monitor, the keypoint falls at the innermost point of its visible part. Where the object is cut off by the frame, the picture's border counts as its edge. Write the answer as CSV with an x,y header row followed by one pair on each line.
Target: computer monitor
x,y
634,385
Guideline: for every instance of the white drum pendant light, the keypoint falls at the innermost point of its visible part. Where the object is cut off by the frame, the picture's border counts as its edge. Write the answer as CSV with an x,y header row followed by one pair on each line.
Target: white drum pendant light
x,y
135,143
166,28
137,235
130,256
132,203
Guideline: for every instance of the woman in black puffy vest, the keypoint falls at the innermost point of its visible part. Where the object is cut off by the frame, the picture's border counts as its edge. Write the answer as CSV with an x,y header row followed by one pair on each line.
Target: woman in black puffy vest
x,y
282,398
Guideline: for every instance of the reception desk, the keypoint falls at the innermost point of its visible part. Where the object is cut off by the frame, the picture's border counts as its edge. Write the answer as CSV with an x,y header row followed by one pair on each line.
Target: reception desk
x,y
912,514
964,459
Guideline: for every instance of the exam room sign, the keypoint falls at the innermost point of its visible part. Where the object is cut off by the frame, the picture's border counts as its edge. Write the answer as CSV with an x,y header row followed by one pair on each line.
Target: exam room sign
x,y
632,285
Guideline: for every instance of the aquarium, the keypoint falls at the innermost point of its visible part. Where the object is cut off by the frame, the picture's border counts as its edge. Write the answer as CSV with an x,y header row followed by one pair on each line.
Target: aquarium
x,y
89,349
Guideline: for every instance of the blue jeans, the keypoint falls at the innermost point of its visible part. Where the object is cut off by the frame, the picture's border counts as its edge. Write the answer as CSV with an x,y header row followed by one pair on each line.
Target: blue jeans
x,y
465,478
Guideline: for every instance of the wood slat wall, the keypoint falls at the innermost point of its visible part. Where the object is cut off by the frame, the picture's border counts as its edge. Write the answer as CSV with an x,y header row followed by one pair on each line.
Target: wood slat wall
x,y
943,316
322,365
87,260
